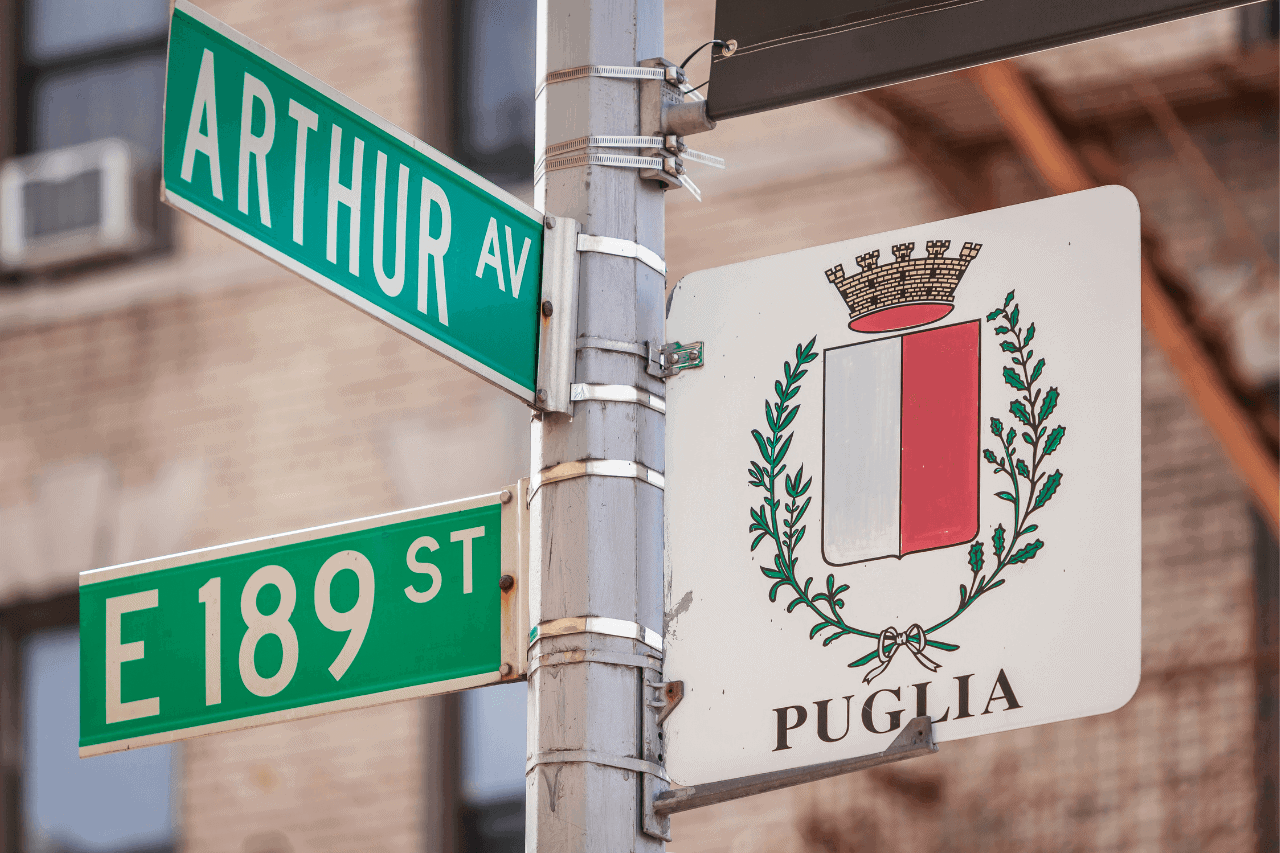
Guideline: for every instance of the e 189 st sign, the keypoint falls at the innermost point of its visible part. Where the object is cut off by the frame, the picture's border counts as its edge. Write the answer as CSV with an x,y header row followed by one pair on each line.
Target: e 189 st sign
x,y
267,154
354,614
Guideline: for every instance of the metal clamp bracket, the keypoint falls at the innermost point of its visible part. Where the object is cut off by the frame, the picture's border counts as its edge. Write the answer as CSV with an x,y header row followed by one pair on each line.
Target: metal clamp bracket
x,y
558,317
590,756
670,359
661,361
672,692
915,739
595,468
616,394
596,625
623,249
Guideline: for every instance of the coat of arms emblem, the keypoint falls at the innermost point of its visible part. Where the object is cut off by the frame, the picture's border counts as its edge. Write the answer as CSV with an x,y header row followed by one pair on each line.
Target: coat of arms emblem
x,y
902,448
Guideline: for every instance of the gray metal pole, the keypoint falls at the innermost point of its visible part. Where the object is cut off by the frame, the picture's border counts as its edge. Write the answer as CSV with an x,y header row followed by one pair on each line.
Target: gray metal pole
x,y
599,538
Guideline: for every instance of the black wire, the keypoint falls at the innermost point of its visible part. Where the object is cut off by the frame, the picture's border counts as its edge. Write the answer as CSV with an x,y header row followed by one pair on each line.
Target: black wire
x,y
699,50
699,86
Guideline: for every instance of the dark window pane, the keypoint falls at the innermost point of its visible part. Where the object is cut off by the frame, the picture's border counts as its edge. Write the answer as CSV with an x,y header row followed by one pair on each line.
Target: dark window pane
x,y
495,89
59,28
493,743
493,828
56,208
122,99
107,804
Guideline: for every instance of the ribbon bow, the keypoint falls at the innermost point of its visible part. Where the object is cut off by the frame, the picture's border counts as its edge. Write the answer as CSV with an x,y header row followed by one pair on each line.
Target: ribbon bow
x,y
912,639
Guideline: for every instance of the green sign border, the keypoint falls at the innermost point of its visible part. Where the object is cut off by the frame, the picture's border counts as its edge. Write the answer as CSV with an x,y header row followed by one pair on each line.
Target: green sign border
x,y
174,198
514,616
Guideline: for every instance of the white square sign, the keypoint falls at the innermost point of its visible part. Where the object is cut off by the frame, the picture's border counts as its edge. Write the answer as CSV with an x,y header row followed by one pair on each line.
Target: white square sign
x,y
906,482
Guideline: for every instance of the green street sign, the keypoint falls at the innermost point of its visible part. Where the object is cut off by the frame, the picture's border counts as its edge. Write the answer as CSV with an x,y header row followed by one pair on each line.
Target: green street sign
x,y
267,154
321,620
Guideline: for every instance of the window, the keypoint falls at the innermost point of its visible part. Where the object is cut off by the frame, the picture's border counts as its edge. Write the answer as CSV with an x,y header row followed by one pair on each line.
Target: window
x,y
118,803
91,69
494,67
52,800
86,71
493,754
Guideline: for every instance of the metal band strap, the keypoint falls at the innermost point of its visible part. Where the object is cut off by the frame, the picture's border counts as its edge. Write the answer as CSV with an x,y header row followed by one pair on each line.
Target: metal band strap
x,y
609,345
572,656
590,756
625,72
625,161
594,468
596,625
616,394
623,249
582,142
592,158
704,159
622,72
605,142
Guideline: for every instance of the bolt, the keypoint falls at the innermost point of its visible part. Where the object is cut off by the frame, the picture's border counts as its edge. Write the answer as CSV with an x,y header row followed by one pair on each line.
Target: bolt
x,y
541,396
505,497
547,308
549,221
504,670
506,582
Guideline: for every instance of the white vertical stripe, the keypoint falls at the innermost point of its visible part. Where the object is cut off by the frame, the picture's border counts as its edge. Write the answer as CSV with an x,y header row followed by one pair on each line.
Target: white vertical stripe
x,y
862,425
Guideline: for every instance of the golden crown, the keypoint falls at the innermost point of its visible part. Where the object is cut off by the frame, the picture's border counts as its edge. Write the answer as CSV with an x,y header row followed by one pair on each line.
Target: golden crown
x,y
907,281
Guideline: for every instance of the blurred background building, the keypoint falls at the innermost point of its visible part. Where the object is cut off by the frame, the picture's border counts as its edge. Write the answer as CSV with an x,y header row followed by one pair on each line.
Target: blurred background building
x,y
162,388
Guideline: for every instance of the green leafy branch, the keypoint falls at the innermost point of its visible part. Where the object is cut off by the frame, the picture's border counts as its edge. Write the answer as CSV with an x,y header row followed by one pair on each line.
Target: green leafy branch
x,y
1026,478
787,533
778,518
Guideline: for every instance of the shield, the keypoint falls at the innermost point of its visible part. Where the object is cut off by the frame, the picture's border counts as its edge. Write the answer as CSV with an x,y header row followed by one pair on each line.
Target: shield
x,y
900,444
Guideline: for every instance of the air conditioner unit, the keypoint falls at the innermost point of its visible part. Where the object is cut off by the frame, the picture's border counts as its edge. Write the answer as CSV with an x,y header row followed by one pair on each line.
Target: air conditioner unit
x,y
75,204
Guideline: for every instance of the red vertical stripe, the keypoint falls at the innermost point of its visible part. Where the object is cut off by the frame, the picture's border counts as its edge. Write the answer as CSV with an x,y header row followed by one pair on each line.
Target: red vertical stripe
x,y
939,437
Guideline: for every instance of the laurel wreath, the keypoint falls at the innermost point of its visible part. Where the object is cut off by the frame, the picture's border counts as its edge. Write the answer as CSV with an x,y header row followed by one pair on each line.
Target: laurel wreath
x,y
778,518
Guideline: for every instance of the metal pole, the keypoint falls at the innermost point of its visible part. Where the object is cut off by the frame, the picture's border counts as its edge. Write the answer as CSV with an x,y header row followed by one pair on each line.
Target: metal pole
x,y
597,539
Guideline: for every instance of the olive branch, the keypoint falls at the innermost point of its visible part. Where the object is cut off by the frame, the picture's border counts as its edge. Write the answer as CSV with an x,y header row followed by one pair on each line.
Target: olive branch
x,y
1027,479
1024,478
826,604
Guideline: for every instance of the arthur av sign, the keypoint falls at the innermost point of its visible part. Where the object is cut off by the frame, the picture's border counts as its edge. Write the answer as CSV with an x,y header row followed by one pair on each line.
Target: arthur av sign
x,y
264,152
376,610
923,498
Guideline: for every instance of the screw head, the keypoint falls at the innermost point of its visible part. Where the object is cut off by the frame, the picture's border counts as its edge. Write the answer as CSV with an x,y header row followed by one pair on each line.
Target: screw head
x,y
541,395
506,582
505,496
547,308
549,221
505,670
